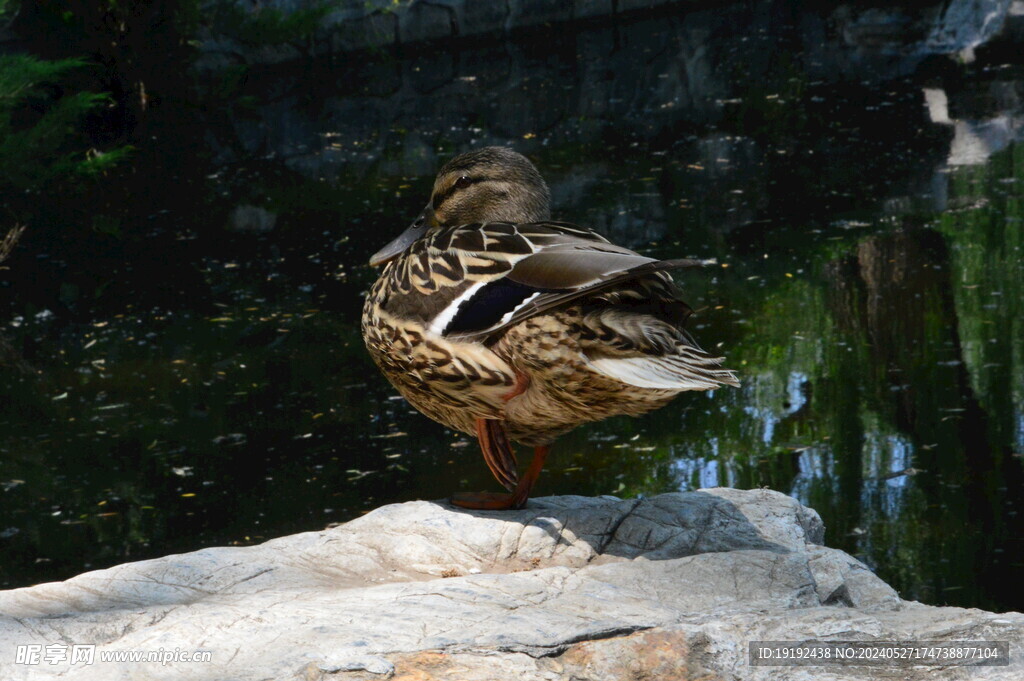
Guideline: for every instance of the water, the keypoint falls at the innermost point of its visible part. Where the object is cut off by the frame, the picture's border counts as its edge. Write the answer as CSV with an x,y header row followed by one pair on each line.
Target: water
x,y
180,351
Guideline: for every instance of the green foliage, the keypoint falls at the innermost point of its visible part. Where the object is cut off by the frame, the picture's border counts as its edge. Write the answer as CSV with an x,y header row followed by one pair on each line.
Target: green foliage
x,y
22,73
38,125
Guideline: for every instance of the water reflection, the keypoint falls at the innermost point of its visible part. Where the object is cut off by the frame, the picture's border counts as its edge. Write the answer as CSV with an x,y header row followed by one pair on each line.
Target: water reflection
x,y
187,370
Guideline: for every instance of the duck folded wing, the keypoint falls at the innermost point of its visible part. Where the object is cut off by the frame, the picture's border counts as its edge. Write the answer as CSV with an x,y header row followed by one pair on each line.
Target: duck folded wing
x,y
547,279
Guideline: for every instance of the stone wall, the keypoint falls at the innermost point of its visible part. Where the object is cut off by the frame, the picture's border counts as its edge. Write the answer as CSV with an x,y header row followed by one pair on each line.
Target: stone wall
x,y
944,26
357,25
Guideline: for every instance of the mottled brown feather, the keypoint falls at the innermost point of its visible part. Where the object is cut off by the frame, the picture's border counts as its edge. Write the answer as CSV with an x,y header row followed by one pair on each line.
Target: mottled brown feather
x,y
599,312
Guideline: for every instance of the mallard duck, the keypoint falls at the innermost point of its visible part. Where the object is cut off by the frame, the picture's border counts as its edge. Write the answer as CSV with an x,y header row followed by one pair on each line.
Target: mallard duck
x,y
497,322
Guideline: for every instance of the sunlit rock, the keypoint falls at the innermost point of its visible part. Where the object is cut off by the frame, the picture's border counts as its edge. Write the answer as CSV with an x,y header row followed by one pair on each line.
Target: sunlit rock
x,y
674,586
974,141
962,25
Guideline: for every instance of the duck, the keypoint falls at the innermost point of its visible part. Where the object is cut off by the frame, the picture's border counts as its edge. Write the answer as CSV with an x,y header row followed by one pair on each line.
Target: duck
x,y
495,321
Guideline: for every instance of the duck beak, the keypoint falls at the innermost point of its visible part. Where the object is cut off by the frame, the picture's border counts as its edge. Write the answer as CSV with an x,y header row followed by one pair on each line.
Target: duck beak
x,y
420,226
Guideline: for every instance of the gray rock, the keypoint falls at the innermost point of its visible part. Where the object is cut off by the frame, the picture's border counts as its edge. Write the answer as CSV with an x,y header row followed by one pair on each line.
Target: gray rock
x,y
841,579
572,587
357,25
526,13
350,32
583,9
484,17
428,21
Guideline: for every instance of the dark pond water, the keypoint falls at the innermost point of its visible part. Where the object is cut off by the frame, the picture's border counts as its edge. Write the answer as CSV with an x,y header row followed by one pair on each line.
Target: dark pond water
x,y
180,355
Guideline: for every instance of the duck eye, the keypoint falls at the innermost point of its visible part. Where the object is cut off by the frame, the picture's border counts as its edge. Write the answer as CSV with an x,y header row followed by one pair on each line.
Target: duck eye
x,y
463,182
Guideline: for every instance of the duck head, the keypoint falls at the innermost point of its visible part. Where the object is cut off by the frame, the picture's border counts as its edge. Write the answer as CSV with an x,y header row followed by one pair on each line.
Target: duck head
x,y
493,184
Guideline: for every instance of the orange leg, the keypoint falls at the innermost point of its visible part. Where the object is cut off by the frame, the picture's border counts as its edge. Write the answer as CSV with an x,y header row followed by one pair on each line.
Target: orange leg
x,y
522,491
498,452
501,459
498,502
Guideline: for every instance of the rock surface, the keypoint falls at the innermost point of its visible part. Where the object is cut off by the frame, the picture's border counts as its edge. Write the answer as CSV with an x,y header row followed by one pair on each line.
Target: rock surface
x,y
671,587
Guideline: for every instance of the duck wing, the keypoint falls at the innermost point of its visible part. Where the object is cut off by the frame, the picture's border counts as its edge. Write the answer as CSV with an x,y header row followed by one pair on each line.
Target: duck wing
x,y
469,283
549,280
480,279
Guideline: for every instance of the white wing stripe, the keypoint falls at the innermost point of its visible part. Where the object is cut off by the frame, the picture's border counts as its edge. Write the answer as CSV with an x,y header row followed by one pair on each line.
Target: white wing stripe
x,y
439,323
508,315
